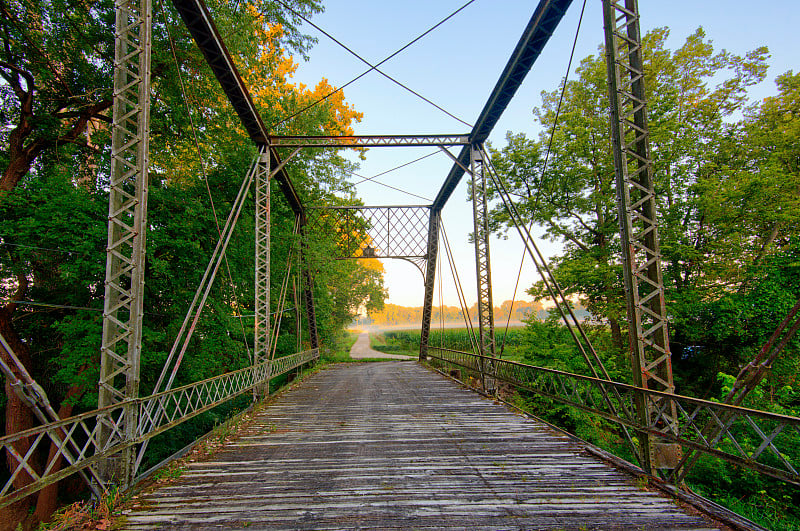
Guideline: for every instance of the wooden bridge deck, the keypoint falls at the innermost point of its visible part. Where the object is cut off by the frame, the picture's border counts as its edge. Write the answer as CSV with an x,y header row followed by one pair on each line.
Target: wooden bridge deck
x,y
395,445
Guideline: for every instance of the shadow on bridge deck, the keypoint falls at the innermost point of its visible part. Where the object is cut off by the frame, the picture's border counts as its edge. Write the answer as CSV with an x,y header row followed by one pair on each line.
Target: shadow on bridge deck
x,y
394,445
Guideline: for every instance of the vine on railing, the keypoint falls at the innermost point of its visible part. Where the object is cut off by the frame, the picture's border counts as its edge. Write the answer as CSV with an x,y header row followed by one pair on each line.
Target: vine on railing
x,y
766,442
156,413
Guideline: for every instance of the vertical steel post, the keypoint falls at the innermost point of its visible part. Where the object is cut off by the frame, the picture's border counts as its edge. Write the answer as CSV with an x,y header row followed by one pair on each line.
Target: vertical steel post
x,y
120,350
430,281
308,289
298,331
262,258
636,206
482,265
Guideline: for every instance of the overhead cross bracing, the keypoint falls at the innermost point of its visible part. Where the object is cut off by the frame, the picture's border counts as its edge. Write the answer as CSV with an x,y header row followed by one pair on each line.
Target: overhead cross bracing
x,y
369,141
536,34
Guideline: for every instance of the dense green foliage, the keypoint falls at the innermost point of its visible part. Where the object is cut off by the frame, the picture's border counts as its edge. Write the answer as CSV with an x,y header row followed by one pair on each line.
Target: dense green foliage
x,y
727,179
726,176
55,75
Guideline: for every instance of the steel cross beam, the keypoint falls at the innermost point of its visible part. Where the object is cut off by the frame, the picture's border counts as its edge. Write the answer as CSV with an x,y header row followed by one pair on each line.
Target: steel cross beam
x,y
636,206
369,141
120,350
541,26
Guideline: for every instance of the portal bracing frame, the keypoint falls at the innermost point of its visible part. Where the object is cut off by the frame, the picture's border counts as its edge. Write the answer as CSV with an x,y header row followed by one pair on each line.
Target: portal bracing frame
x,y
374,231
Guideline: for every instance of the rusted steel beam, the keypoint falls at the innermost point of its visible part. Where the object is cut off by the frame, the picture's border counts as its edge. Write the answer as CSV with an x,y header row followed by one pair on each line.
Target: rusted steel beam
x,y
541,26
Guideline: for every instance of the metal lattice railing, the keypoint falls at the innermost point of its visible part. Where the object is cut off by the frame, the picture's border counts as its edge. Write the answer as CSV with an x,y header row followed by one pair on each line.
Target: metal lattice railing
x,y
766,442
375,232
156,414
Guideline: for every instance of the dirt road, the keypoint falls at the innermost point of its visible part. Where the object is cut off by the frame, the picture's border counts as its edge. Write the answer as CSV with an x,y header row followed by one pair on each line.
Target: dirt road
x,y
361,350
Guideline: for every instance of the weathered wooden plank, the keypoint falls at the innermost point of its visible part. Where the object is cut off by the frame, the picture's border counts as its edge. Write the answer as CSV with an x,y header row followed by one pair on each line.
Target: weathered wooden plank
x,y
393,445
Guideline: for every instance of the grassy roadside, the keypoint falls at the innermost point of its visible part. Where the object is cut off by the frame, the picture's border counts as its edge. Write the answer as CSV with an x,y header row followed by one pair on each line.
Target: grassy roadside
x,y
339,352
380,342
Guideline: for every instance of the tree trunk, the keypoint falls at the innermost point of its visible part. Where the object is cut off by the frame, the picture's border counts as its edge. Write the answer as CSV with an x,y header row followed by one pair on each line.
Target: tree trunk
x,y
616,334
47,502
18,416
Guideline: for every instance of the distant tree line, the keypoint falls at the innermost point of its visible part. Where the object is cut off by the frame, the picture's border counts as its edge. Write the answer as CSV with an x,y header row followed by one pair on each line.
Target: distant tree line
x,y
393,314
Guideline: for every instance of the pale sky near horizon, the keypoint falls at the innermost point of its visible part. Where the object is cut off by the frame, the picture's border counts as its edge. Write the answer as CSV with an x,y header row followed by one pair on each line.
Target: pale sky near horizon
x,y
457,66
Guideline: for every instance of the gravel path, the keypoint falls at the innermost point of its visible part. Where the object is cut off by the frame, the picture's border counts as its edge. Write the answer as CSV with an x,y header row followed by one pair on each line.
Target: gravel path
x,y
361,350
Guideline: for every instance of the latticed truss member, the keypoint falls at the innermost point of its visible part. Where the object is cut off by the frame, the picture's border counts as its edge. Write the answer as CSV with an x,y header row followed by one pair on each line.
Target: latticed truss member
x,y
360,141
430,279
483,271
262,259
127,212
374,231
636,205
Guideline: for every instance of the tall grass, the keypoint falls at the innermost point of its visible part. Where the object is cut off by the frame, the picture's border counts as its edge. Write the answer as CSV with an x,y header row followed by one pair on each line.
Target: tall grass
x,y
459,339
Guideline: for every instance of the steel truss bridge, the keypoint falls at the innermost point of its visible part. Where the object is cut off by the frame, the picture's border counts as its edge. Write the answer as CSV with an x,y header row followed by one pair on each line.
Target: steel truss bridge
x,y
105,446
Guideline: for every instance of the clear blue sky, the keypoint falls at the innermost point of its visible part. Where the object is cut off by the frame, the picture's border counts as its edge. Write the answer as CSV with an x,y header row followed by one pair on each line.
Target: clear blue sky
x,y
458,65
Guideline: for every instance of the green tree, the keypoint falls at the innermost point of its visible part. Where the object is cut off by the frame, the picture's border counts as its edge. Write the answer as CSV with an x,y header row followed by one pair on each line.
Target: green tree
x,y
574,200
728,186
55,72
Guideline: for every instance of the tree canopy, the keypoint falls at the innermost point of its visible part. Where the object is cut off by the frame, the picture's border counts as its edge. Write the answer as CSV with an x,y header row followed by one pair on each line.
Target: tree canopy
x,y
726,180
55,67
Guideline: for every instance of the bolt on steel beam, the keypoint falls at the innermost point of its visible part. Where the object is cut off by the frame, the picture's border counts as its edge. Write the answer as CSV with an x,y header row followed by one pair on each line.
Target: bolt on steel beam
x,y
636,206
482,265
127,214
